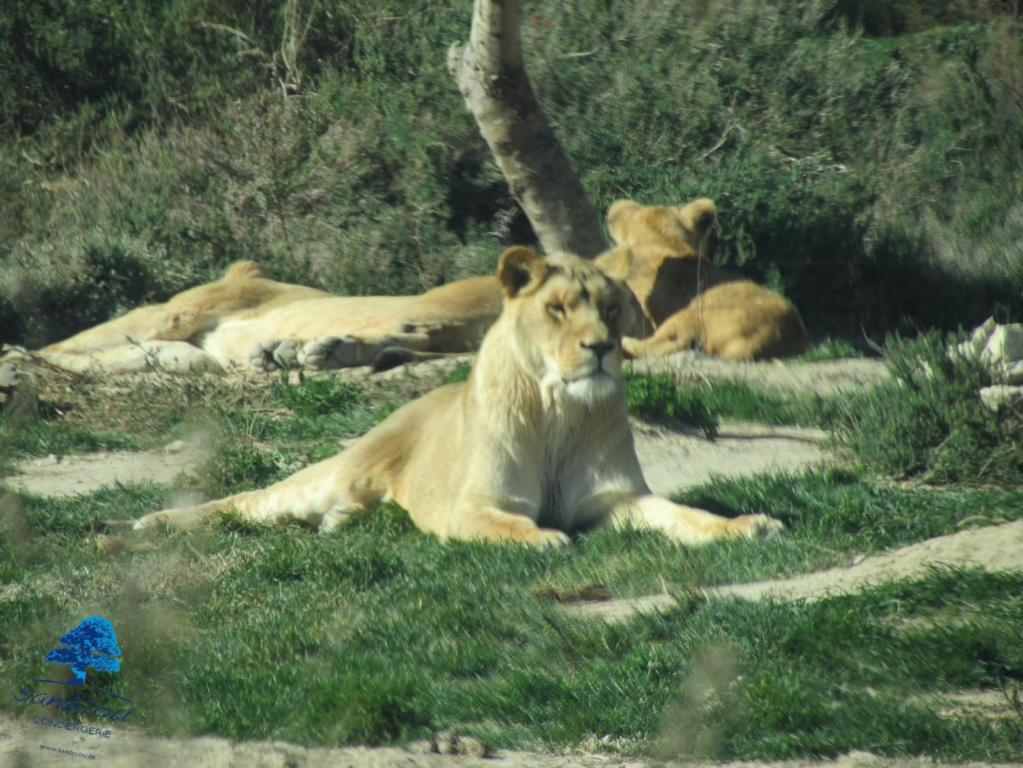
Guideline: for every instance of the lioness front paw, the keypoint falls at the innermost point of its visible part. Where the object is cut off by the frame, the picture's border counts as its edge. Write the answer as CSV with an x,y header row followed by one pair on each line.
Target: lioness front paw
x,y
756,526
116,526
334,519
548,538
276,355
328,352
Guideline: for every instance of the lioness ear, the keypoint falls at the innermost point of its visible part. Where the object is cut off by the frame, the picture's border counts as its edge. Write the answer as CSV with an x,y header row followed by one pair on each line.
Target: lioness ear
x,y
699,216
616,263
616,216
244,269
520,270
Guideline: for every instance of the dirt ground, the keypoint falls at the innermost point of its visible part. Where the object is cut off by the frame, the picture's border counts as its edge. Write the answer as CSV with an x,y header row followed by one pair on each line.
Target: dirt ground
x,y
21,746
671,459
88,472
992,547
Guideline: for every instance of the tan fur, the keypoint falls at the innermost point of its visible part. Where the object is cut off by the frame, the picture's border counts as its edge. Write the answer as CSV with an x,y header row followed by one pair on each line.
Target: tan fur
x,y
535,445
226,323
688,302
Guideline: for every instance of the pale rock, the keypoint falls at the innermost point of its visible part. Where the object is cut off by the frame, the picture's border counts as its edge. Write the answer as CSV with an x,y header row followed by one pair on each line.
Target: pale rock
x,y
1000,347
1014,373
975,345
1004,346
1000,396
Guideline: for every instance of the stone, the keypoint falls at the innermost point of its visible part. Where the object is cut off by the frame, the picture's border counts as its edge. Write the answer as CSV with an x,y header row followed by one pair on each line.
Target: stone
x,y
974,346
1000,396
1004,347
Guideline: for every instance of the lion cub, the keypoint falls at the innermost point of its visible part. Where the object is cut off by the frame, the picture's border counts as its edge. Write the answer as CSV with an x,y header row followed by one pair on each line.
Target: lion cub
x,y
535,445
688,302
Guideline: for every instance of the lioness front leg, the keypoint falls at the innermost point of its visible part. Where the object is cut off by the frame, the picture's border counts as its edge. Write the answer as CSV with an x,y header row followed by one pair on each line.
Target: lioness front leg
x,y
187,518
689,525
324,495
493,524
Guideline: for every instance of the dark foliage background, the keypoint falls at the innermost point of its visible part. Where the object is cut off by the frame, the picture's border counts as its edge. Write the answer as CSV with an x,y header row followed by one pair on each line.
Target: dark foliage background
x,y
867,156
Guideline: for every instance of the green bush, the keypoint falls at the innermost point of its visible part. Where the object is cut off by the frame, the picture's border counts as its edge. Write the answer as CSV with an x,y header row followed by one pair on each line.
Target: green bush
x,y
106,280
897,17
927,422
873,179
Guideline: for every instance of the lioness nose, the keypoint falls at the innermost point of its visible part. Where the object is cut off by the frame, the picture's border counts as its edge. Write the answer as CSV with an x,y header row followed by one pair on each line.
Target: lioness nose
x,y
599,348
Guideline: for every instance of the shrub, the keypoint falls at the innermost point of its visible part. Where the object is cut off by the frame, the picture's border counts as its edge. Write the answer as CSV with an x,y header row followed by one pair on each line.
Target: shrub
x,y
871,175
927,422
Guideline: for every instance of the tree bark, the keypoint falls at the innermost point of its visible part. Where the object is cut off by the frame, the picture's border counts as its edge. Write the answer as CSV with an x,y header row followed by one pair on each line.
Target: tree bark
x,y
491,76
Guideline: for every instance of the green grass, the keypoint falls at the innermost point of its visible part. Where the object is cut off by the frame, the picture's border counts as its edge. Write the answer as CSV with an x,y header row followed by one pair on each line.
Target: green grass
x,y
379,633
43,440
659,397
703,405
459,373
830,349
258,433
261,447
740,401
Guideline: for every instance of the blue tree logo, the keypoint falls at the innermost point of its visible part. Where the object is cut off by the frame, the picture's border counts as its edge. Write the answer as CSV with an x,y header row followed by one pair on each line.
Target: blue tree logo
x,y
92,643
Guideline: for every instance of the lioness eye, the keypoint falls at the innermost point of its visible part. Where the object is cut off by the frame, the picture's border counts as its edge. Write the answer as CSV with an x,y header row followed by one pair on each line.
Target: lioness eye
x,y
556,310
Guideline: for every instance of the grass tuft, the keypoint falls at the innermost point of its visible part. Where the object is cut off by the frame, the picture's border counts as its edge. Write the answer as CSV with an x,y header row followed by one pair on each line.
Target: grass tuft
x,y
659,397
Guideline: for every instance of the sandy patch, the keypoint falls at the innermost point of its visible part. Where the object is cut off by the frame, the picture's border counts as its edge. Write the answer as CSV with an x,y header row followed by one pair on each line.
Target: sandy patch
x,y
20,745
673,460
996,548
88,472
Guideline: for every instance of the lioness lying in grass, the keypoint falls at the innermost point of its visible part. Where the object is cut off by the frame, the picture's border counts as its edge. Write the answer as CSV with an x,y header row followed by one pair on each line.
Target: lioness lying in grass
x,y
535,445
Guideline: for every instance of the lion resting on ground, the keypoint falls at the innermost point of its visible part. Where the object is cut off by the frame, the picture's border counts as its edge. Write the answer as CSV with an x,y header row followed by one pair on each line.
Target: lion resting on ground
x,y
691,303
247,319
535,445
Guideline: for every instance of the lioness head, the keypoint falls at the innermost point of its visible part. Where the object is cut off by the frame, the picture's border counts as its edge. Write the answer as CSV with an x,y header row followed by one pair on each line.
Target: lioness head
x,y
565,317
683,229
661,254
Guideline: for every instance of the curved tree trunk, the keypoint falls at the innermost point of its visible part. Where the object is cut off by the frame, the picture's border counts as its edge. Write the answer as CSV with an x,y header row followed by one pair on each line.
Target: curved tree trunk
x,y
492,78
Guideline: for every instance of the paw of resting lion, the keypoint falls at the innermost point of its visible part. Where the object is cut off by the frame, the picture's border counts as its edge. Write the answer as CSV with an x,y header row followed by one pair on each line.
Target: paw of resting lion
x,y
276,355
328,352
